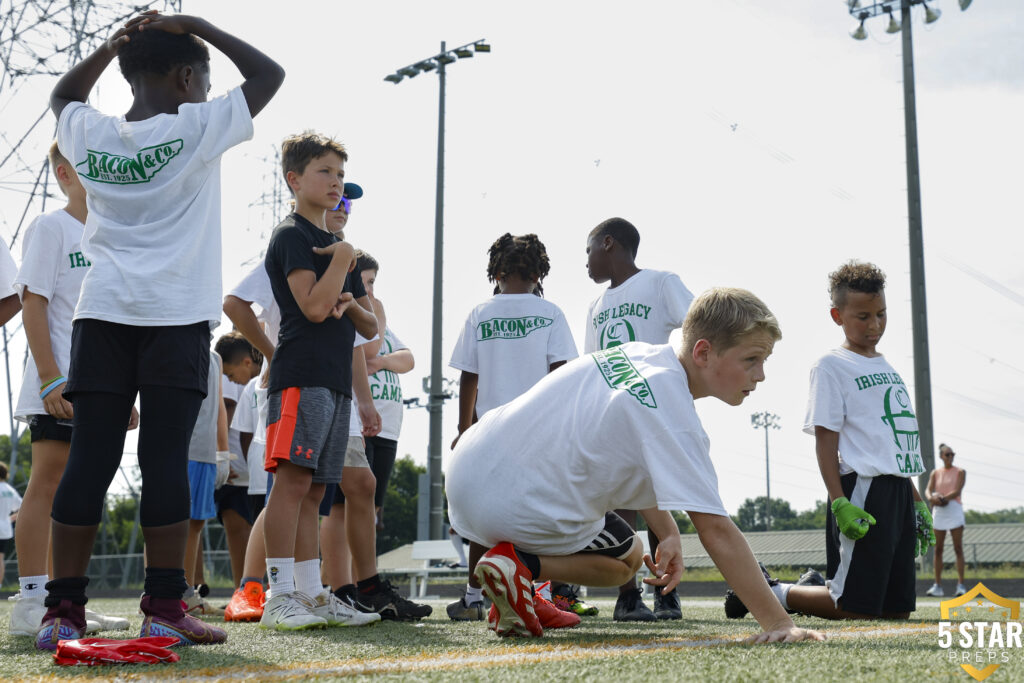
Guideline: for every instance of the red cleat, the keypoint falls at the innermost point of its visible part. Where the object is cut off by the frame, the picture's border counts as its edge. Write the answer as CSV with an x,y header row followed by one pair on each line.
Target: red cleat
x,y
507,583
246,603
552,617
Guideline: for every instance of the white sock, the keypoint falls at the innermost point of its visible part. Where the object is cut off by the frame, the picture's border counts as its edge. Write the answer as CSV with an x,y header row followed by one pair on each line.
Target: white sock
x,y
459,548
281,572
781,591
307,577
33,586
473,595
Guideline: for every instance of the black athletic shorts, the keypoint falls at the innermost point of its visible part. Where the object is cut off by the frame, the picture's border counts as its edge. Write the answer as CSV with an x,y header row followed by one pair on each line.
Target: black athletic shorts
x,y
615,540
257,502
7,546
118,359
875,575
43,427
229,497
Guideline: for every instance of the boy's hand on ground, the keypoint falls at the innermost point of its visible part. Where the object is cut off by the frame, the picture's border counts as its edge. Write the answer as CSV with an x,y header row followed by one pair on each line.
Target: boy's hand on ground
x,y
851,520
786,634
669,567
133,419
923,528
56,405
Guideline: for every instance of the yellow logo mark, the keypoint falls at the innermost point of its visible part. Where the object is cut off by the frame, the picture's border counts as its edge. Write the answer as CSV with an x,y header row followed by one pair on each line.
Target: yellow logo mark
x,y
961,607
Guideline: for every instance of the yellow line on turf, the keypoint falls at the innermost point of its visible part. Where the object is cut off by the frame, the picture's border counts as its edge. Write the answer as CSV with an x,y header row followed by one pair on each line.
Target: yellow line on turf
x,y
517,655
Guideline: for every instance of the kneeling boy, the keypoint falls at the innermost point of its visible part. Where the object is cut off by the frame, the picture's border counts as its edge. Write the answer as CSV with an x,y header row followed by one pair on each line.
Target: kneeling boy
x,y
619,427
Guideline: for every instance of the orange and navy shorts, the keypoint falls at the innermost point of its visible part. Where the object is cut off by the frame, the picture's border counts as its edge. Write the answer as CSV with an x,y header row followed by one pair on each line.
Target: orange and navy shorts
x,y
308,427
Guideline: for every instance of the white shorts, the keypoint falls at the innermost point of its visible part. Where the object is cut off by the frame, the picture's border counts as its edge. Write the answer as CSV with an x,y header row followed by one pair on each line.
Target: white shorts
x,y
948,516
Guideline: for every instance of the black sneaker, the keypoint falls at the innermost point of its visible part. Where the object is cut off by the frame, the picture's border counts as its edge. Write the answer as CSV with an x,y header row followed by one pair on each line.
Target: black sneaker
x,y
347,594
811,578
630,607
390,605
460,611
734,607
667,606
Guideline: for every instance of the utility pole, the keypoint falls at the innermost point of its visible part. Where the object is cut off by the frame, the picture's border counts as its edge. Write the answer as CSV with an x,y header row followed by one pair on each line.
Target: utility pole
x,y
765,420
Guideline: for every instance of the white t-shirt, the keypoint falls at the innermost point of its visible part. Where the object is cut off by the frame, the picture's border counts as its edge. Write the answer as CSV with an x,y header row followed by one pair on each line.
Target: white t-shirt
x,y
52,266
614,429
10,502
355,425
203,445
510,341
153,189
233,392
8,271
247,419
647,307
866,401
386,389
255,288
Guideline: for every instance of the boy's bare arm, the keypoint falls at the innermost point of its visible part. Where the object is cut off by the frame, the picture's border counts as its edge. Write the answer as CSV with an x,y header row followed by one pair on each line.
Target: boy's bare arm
x,y
372,349
37,331
9,306
241,316
364,320
245,439
400,362
468,382
732,555
667,567
318,299
826,446
368,415
78,82
263,76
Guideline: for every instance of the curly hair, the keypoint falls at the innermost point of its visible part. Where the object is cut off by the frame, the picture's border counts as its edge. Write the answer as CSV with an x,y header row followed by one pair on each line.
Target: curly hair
x,y
854,276
524,256
233,347
158,52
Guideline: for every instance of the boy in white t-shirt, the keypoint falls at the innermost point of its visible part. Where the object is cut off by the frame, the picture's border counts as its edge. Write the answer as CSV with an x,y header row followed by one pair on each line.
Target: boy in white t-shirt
x,y
10,304
866,440
639,305
49,283
507,345
623,422
10,503
142,323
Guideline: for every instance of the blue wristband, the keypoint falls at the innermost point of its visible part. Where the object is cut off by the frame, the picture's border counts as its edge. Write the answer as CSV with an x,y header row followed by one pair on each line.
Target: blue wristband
x,y
54,385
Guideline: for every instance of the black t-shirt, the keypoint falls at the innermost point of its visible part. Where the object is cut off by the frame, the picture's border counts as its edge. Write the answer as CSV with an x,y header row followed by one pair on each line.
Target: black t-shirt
x,y
308,354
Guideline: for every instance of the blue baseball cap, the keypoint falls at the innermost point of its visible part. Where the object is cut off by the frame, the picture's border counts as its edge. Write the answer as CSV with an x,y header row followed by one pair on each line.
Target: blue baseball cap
x,y
352,191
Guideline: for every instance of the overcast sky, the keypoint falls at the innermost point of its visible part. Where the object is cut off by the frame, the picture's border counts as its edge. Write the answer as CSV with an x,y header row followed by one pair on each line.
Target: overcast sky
x,y
752,145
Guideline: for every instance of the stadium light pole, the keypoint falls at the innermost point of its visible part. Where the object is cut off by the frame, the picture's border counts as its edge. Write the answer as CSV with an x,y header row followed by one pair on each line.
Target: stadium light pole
x,y
436,389
918,307
765,420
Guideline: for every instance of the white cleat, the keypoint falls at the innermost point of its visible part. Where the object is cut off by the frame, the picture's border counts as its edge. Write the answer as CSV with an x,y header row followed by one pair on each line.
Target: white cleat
x,y
936,591
338,613
27,616
291,612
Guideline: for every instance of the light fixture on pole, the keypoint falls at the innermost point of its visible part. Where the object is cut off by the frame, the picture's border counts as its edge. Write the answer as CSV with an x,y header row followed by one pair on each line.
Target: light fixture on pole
x,y
859,33
436,389
918,308
932,15
893,27
765,420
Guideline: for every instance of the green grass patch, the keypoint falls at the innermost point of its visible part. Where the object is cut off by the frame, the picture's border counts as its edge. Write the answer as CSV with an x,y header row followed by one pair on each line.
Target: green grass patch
x,y
437,649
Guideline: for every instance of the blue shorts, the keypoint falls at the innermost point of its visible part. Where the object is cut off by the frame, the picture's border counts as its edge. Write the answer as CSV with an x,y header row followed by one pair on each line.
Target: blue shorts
x,y
201,479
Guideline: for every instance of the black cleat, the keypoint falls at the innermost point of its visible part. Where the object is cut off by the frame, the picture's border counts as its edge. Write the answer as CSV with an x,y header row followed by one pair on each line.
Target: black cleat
x,y
630,607
390,605
667,606
734,607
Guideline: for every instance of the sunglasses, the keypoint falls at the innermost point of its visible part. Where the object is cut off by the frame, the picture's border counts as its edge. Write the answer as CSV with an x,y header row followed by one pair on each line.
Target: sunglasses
x,y
345,202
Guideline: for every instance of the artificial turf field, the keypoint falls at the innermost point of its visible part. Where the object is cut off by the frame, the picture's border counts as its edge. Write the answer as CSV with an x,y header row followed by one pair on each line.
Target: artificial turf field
x,y
701,647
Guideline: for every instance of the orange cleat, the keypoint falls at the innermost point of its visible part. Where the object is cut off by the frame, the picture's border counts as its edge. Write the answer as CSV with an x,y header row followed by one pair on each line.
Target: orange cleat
x,y
552,617
507,583
246,603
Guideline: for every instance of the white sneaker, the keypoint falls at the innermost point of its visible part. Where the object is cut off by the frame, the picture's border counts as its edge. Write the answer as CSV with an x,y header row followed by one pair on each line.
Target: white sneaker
x,y
27,616
104,622
291,612
197,606
338,613
960,590
935,591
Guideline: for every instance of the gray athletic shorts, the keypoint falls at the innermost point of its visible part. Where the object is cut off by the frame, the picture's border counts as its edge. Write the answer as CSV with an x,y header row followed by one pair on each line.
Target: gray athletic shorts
x,y
308,427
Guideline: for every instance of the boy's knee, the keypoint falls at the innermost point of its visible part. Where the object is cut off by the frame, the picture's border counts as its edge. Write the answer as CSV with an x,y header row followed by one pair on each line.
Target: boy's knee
x,y
358,483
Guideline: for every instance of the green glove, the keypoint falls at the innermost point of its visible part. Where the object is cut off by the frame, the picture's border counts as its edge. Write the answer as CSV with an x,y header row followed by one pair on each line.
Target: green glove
x,y
850,519
923,527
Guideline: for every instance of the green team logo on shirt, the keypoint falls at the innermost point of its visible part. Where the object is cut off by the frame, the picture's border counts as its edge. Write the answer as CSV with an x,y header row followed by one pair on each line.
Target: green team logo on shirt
x,y
616,333
510,328
384,384
78,260
104,167
620,373
903,422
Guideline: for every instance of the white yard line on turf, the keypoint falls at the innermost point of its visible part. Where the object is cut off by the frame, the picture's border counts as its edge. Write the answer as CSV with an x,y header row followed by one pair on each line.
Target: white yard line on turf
x,y
487,660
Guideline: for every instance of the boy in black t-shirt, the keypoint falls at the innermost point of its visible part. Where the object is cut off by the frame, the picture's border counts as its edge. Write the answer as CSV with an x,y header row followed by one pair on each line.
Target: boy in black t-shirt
x,y
310,383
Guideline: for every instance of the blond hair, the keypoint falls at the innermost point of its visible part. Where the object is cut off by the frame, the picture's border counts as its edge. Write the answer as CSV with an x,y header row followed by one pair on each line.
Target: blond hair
x,y
724,316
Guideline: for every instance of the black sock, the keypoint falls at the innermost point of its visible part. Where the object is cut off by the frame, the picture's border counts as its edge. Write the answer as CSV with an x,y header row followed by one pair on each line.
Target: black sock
x,y
346,591
70,588
532,563
370,585
165,583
